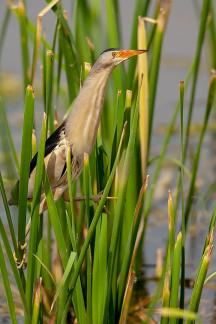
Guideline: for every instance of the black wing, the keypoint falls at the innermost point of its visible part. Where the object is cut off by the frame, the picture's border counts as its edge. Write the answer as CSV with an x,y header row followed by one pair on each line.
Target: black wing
x,y
50,144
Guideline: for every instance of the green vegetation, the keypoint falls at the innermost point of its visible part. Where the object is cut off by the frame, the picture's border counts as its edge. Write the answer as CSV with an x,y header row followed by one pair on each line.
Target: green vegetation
x,y
83,255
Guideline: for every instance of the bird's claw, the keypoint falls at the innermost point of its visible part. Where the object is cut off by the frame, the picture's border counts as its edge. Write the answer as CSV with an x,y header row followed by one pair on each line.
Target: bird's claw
x,y
21,264
96,198
23,246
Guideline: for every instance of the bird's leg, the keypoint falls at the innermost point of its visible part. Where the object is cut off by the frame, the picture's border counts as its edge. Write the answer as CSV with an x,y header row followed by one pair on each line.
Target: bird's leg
x,y
57,193
22,263
94,198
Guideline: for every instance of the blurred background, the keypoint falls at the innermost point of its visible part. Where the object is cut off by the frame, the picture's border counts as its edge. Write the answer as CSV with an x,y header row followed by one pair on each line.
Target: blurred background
x,y
177,54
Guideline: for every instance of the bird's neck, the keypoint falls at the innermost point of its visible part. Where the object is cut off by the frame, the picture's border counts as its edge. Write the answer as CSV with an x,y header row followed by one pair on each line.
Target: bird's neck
x,y
83,121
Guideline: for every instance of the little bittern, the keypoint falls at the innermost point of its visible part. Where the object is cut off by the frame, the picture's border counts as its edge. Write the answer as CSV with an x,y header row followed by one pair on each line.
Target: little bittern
x,y
78,131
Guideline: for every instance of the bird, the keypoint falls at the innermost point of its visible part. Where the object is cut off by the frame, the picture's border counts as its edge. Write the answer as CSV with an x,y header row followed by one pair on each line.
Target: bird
x,y
78,130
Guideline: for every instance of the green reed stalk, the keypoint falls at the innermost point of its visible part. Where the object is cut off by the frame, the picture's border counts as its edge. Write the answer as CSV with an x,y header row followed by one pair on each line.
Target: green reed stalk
x,y
25,165
8,215
179,314
130,250
99,273
114,37
82,26
67,49
60,238
6,135
144,96
155,62
126,120
60,13
181,181
203,267
72,227
21,12
181,100
55,221
199,282
96,217
118,121
78,298
211,228
49,89
62,285
121,186
35,217
37,301
14,269
72,78
200,40
59,64
109,277
141,9
209,104
175,275
94,223
171,227
86,175
159,161
127,297
212,26
153,24
158,292
7,287
166,294
3,29
112,20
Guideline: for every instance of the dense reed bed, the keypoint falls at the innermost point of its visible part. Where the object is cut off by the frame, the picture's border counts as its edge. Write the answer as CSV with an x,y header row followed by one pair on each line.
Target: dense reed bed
x,y
81,258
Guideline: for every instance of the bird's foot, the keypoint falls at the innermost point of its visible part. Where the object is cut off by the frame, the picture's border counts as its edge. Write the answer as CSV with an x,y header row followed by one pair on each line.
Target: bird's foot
x,y
21,263
94,198
97,198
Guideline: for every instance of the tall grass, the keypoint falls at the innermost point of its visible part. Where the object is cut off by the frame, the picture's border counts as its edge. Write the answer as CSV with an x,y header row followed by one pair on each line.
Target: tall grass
x,y
83,255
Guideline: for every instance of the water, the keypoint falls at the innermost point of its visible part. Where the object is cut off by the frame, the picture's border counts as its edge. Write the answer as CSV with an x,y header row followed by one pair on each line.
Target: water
x,y
178,50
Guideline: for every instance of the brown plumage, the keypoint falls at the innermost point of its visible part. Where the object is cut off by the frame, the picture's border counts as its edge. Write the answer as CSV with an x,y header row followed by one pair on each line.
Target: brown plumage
x,y
79,130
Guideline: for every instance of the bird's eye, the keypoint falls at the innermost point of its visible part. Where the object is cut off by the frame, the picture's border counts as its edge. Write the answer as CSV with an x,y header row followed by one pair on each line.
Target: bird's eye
x,y
115,54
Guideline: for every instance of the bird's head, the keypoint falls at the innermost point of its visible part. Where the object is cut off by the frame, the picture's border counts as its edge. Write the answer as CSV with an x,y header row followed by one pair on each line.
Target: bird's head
x,y
115,56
